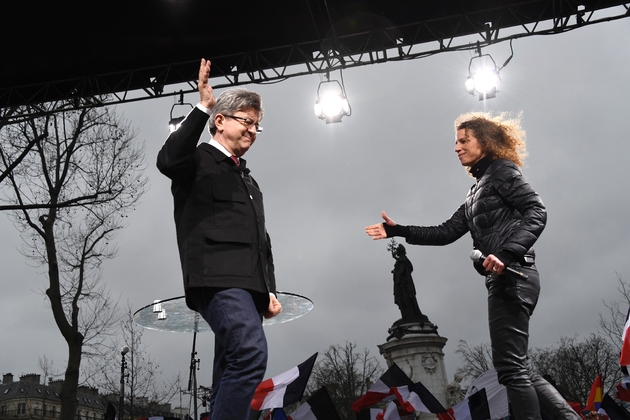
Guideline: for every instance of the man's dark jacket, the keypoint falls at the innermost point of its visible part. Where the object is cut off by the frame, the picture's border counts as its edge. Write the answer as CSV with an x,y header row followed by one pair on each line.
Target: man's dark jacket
x,y
502,212
219,215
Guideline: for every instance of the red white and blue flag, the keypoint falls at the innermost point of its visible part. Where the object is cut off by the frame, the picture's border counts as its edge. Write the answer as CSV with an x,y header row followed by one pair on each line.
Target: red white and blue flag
x,y
623,388
394,377
612,409
475,407
396,384
319,406
624,358
485,399
283,389
391,412
417,397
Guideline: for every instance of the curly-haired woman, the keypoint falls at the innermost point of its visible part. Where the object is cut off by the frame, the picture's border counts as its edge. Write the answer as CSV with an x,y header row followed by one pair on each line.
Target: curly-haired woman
x,y
505,217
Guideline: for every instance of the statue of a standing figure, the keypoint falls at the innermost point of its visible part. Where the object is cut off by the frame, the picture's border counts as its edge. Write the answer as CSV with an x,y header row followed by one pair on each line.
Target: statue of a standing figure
x,y
454,391
404,289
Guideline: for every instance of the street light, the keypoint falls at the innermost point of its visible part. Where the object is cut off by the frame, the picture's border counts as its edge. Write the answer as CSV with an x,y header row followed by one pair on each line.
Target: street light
x,y
123,365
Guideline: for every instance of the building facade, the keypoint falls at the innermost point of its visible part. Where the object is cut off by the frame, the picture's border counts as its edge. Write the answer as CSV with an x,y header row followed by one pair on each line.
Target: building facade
x,y
29,399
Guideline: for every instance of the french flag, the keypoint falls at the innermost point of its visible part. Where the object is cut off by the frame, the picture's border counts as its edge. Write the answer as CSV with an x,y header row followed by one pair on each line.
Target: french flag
x,y
284,389
612,409
318,407
485,399
623,388
395,383
389,413
392,378
417,397
475,407
624,359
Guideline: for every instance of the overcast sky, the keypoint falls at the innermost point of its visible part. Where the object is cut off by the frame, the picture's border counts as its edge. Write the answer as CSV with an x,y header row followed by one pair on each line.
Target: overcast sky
x,y
324,183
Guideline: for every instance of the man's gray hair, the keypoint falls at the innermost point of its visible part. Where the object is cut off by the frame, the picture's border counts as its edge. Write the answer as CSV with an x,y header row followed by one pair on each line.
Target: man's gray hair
x,y
234,100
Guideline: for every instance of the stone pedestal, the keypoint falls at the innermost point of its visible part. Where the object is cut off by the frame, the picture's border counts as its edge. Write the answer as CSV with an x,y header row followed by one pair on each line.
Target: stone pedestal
x,y
416,347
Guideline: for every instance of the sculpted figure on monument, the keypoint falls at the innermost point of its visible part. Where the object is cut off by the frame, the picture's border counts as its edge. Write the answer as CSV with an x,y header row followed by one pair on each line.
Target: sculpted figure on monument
x,y
454,391
404,289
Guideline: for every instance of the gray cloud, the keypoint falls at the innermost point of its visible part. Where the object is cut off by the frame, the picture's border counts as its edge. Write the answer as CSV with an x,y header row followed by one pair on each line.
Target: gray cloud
x,y
324,183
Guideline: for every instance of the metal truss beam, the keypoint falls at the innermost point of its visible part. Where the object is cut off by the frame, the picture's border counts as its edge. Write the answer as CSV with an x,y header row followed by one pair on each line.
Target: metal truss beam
x,y
460,32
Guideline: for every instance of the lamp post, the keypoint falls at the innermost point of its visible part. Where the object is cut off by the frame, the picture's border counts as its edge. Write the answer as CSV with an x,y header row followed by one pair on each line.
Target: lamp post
x,y
123,365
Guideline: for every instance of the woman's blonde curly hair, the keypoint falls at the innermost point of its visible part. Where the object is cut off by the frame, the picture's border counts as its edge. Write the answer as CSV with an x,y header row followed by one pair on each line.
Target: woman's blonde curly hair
x,y
500,136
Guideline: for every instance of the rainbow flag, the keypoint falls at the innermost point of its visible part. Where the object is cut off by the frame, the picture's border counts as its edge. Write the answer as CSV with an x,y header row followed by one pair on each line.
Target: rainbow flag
x,y
596,395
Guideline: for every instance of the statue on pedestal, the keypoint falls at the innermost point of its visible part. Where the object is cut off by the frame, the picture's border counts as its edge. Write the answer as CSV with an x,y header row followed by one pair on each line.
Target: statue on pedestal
x,y
454,391
404,289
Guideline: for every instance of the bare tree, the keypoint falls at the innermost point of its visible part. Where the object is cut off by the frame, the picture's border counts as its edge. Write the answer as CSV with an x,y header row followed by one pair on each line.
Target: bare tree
x,y
612,325
68,196
477,359
346,374
144,373
573,365
48,371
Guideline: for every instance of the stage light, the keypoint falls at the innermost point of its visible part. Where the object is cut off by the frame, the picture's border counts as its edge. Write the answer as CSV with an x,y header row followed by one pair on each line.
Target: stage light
x,y
483,75
175,122
332,104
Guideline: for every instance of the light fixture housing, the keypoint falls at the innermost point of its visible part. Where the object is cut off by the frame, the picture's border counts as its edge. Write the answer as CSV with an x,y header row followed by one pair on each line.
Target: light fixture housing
x,y
332,104
483,77
175,122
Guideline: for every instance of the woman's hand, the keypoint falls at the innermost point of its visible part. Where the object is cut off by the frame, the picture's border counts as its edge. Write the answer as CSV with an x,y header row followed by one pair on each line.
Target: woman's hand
x,y
493,264
377,231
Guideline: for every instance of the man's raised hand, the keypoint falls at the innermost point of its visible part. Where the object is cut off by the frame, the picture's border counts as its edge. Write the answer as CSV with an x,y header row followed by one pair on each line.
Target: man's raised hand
x,y
206,95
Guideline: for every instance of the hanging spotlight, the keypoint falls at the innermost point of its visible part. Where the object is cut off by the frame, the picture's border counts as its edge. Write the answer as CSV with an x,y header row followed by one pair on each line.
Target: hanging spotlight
x,y
484,80
175,122
332,104
483,75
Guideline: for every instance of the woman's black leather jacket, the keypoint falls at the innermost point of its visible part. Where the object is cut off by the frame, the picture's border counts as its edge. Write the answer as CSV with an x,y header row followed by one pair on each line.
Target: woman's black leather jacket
x,y
502,212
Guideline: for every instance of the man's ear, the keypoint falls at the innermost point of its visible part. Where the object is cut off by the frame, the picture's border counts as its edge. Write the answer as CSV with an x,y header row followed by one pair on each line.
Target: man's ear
x,y
219,120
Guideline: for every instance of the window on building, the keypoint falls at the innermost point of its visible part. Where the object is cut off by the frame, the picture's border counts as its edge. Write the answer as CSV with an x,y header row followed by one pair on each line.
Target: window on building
x,y
3,411
21,410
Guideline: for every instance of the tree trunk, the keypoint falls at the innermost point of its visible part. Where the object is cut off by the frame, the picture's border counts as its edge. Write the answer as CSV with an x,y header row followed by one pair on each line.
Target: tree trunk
x,y
69,330
68,394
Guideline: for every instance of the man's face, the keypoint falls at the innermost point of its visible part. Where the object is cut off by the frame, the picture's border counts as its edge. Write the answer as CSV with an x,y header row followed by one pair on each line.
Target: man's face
x,y
468,148
237,131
